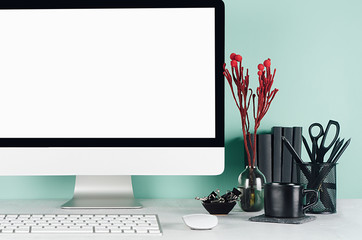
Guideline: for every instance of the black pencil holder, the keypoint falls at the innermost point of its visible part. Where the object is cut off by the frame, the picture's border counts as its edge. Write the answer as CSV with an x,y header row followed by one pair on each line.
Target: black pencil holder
x,y
322,178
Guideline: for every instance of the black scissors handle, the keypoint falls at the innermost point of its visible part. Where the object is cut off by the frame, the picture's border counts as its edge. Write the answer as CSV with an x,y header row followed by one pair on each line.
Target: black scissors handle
x,y
330,123
320,133
324,149
314,138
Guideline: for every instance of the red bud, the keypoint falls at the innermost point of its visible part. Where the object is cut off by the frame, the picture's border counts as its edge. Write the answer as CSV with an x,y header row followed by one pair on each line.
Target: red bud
x,y
232,56
238,58
261,67
267,63
234,63
260,72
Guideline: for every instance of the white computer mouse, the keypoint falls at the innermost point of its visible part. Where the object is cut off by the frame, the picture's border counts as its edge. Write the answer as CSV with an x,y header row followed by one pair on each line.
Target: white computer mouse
x,y
200,221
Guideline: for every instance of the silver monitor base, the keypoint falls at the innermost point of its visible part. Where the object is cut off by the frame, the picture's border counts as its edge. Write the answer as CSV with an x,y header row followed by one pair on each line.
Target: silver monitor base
x,y
95,192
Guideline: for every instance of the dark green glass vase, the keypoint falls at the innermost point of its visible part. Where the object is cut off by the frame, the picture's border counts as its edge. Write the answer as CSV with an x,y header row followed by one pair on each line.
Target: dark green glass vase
x,y
251,185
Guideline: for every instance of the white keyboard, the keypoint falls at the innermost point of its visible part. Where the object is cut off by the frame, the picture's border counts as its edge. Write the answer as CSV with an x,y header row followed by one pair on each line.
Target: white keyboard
x,y
87,223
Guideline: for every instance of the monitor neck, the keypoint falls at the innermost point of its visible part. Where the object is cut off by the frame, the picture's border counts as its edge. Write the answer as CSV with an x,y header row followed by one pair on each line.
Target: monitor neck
x,y
95,192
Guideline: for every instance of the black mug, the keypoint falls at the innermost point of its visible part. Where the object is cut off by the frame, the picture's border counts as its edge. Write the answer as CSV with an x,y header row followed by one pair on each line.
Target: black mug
x,y
286,200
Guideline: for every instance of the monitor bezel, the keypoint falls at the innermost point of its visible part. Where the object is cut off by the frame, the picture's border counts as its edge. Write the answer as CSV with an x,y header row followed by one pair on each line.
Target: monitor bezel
x,y
217,141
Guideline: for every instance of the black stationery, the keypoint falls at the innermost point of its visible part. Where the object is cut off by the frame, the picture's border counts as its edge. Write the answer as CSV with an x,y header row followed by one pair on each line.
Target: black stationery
x,y
287,156
265,155
297,145
277,154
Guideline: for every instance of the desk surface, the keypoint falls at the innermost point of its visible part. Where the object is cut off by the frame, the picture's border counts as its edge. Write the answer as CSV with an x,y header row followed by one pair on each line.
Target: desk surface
x,y
345,224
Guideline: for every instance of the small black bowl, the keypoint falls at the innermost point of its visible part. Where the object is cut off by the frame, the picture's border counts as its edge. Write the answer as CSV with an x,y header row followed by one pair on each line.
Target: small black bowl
x,y
219,208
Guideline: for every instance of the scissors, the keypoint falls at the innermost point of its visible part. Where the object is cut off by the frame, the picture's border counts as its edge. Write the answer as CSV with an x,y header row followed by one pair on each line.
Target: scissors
x,y
318,153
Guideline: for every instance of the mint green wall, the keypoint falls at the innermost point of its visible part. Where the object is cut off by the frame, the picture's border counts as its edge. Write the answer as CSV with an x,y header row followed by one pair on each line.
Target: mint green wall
x,y
315,46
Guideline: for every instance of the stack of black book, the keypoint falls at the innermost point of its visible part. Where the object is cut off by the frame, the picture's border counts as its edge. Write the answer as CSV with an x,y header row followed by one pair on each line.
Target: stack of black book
x,y
273,158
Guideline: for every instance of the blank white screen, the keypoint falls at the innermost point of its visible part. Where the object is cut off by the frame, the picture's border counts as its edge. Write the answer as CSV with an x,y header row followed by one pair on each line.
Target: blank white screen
x,y
124,73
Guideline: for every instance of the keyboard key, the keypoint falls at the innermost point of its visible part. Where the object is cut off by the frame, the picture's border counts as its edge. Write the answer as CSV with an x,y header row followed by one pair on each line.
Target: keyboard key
x,y
125,227
116,230
138,229
62,230
143,224
7,230
131,231
154,231
22,230
101,230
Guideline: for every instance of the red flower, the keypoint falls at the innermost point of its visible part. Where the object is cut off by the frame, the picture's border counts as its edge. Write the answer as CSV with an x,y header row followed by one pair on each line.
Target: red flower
x,y
263,96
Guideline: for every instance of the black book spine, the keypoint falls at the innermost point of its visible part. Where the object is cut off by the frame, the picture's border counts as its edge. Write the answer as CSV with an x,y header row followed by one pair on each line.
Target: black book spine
x,y
277,154
265,155
287,156
297,145
251,151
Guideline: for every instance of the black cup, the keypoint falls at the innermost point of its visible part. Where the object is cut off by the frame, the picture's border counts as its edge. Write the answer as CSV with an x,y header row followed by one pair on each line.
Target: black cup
x,y
286,200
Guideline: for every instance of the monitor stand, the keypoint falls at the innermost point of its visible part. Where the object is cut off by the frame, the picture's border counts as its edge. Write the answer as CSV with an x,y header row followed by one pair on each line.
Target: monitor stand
x,y
95,192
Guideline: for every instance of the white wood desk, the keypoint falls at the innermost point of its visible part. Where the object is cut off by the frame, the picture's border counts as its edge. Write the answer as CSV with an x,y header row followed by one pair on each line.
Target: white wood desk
x,y
345,224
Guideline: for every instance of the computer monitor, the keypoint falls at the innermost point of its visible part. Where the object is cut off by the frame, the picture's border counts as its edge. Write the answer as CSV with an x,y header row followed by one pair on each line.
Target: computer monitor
x,y
106,89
